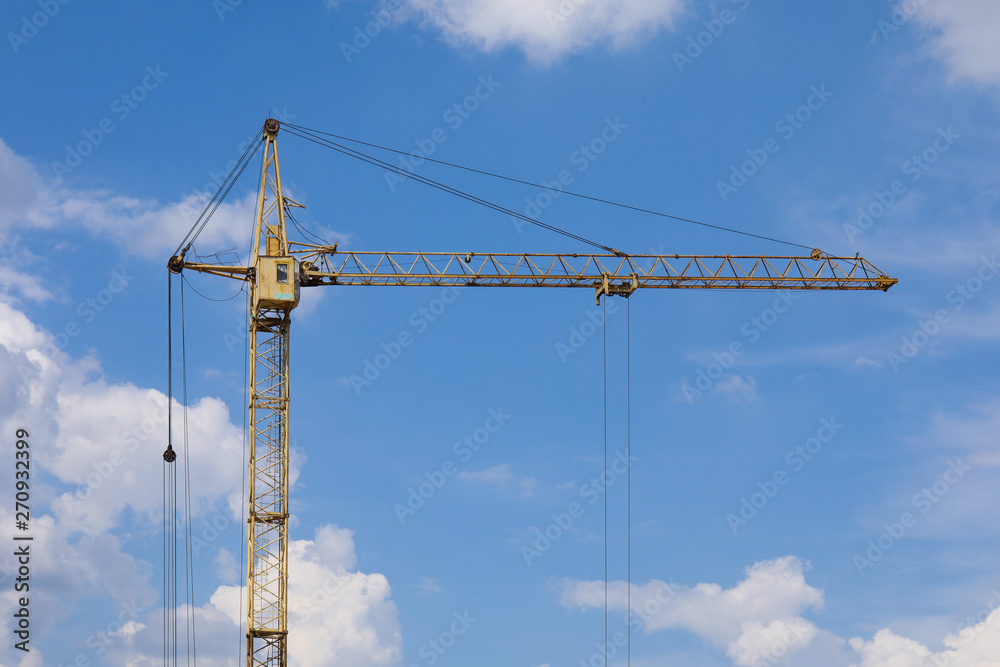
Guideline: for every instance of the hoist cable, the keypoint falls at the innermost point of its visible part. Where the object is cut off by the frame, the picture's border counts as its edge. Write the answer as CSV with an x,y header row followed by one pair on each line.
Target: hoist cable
x,y
188,537
216,200
605,479
246,429
446,188
169,506
208,298
165,568
628,474
554,189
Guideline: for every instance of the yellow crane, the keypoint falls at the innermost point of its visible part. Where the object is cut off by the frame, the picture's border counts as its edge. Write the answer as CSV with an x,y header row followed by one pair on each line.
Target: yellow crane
x,y
281,267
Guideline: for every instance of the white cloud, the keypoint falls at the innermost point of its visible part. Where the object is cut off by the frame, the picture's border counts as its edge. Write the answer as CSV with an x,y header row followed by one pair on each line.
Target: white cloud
x,y
736,388
497,475
105,439
66,574
101,460
144,227
500,477
30,287
548,29
19,185
336,616
759,621
768,601
965,37
108,445
974,646
769,641
429,586
972,430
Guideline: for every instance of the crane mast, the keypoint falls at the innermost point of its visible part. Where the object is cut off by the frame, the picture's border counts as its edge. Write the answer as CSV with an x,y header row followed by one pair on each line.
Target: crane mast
x,y
273,295
278,268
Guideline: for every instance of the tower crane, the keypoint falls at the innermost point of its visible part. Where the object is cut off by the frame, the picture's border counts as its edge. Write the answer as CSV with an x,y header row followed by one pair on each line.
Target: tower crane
x,y
279,268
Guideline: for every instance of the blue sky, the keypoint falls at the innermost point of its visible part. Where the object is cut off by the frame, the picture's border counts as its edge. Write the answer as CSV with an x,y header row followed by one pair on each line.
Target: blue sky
x,y
823,497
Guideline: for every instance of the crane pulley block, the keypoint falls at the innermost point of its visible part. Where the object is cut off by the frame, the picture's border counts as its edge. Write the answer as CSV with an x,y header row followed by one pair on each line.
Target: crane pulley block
x,y
625,288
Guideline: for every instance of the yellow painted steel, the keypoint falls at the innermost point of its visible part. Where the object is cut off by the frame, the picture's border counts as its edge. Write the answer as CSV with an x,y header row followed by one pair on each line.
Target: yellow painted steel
x,y
609,274
312,265
271,304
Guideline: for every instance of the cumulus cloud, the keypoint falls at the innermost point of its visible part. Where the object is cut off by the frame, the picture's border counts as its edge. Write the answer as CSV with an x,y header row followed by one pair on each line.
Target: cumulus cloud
x,y
548,29
67,574
974,646
29,287
759,621
106,438
337,615
146,227
96,480
744,619
19,185
101,460
965,37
